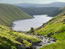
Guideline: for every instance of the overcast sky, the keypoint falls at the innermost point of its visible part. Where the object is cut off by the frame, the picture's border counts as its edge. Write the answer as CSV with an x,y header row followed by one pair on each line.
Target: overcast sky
x,y
30,1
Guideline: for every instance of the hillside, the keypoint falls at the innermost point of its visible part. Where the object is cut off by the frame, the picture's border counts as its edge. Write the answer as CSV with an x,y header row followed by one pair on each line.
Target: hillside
x,y
54,28
10,39
51,11
54,4
10,13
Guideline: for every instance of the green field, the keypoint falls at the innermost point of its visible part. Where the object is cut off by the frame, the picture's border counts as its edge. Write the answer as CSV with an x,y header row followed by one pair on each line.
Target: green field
x,y
54,28
10,13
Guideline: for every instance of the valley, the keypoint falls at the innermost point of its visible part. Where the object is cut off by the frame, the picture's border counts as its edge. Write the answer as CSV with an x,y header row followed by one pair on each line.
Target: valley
x,y
32,27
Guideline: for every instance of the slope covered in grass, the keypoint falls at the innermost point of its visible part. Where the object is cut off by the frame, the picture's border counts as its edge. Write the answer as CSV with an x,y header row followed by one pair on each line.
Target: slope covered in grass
x,y
54,28
9,13
57,30
10,39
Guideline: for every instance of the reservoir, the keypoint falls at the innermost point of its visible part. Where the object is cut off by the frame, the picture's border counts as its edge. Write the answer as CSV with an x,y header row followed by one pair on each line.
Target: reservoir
x,y
26,24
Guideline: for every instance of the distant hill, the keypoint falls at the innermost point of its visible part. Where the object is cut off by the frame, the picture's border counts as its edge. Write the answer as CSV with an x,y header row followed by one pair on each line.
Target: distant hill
x,y
10,13
51,11
27,5
54,4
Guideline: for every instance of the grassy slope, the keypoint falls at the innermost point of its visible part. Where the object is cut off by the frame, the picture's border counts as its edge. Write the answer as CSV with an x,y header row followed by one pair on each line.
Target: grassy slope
x,y
10,39
9,13
55,27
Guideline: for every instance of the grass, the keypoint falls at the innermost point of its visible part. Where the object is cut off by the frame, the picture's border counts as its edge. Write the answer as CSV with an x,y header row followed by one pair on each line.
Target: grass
x,y
10,13
57,45
10,39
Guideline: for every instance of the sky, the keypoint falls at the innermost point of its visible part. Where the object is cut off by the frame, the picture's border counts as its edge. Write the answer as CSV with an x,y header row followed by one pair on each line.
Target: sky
x,y
30,1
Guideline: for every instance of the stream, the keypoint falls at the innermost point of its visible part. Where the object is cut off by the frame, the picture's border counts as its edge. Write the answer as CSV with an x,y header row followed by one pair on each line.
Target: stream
x,y
45,41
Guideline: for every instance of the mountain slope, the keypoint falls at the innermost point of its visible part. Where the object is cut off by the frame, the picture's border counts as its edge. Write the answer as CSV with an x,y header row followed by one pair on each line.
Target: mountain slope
x,y
54,28
10,13
51,11
9,39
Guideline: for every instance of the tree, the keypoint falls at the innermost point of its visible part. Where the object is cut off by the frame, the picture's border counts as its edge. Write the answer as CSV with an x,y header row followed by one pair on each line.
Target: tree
x,y
32,30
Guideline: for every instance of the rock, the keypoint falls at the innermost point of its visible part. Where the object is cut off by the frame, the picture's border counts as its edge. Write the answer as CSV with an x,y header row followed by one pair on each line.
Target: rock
x,y
22,47
48,41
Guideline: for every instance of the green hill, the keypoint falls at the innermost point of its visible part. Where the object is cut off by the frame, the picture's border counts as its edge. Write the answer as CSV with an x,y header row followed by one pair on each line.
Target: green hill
x,y
54,28
10,39
10,13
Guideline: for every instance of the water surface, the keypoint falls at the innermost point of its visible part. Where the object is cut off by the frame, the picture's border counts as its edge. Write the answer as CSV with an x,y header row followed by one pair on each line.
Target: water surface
x,y
26,24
